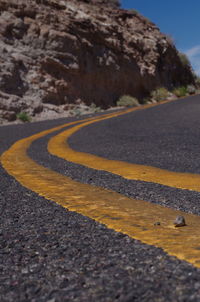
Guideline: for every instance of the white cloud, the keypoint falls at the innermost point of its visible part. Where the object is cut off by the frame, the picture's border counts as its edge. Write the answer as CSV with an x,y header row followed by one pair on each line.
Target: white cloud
x,y
194,57
194,51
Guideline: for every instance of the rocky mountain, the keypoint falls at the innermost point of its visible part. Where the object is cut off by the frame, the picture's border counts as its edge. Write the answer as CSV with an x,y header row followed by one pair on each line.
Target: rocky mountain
x,y
55,53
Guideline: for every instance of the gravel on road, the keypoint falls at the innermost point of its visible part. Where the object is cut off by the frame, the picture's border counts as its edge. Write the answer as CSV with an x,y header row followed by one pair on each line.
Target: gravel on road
x,y
51,254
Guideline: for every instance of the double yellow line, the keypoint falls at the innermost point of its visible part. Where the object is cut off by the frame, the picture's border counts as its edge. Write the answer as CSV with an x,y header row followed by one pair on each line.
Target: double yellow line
x,y
59,146
135,218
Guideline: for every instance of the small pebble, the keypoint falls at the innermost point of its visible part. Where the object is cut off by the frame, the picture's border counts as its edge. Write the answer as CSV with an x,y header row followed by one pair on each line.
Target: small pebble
x,y
179,221
157,223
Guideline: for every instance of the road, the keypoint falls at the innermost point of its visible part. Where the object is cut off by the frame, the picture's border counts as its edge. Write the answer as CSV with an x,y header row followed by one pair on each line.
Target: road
x,y
51,254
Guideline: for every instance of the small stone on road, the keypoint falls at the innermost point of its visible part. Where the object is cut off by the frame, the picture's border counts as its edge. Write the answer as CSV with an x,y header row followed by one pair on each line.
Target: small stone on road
x,y
179,221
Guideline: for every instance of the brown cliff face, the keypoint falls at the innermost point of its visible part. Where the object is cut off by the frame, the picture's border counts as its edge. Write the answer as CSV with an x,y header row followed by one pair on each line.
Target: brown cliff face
x,y
58,52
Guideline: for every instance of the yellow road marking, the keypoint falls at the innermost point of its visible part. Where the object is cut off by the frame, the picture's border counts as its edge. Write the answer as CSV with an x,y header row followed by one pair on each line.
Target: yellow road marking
x,y
59,146
133,217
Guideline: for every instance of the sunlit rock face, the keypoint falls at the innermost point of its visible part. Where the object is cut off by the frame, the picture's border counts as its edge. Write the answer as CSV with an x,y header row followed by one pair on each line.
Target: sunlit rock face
x,y
55,52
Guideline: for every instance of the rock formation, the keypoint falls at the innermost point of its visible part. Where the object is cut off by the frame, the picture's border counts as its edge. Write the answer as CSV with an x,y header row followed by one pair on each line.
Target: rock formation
x,y
57,52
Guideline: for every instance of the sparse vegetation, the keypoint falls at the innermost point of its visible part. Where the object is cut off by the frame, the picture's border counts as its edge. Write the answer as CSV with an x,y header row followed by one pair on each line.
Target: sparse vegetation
x,y
145,101
24,117
184,59
180,91
160,94
191,89
197,81
127,101
95,108
134,11
76,112
81,109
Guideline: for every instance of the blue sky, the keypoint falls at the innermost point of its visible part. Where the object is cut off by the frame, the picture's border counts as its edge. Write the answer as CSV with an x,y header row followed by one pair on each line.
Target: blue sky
x,y
178,18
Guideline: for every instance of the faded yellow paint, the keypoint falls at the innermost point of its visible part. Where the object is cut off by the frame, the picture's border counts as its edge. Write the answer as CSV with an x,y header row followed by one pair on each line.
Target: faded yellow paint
x,y
59,146
135,218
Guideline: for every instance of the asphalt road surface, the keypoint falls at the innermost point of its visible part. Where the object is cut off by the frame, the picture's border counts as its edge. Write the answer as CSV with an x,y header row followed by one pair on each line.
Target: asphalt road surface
x,y
50,254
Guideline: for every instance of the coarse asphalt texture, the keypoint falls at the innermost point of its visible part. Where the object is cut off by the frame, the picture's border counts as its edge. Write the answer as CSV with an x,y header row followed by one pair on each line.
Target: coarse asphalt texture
x,y
51,254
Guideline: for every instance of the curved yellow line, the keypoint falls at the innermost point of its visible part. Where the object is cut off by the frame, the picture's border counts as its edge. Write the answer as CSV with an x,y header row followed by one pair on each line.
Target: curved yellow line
x,y
133,217
59,146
